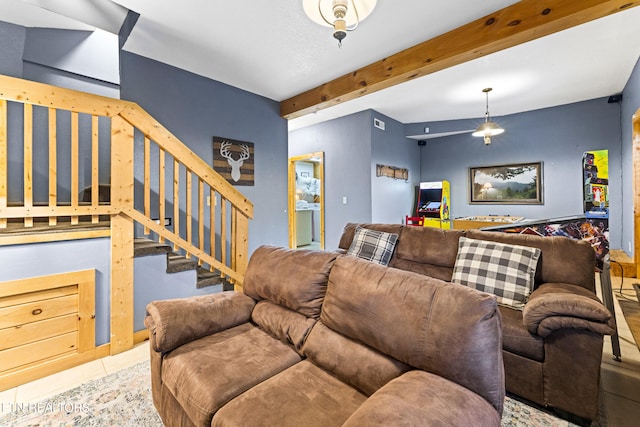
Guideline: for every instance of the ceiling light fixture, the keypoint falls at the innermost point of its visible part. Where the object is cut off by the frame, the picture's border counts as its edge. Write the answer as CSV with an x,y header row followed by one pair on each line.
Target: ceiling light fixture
x,y
341,15
488,128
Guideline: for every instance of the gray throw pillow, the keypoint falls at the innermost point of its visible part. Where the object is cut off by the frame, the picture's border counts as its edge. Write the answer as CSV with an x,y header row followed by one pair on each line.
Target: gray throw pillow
x,y
372,245
507,271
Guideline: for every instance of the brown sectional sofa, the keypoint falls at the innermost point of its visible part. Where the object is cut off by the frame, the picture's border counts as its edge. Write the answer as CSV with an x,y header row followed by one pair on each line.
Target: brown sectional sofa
x,y
553,347
322,339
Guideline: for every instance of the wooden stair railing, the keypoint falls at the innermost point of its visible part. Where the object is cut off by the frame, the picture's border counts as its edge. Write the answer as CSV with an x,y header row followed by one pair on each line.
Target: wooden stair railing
x,y
153,177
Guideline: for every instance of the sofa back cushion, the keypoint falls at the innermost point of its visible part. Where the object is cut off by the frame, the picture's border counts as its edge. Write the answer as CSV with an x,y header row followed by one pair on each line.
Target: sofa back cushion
x,y
283,323
563,260
354,363
449,330
350,229
427,250
293,279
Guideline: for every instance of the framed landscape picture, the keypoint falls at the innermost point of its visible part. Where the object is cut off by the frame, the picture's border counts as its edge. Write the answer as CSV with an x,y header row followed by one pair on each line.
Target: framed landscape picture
x,y
509,184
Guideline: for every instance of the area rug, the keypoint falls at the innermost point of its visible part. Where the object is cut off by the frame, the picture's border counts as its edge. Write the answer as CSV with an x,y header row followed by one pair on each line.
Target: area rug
x,y
631,311
124,399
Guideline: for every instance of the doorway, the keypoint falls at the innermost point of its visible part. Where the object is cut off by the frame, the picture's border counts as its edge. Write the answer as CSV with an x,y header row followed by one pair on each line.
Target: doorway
x,y
306,201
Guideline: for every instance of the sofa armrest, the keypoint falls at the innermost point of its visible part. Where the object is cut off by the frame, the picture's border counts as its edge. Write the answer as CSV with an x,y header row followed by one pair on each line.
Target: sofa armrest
x,y
555,306
175,322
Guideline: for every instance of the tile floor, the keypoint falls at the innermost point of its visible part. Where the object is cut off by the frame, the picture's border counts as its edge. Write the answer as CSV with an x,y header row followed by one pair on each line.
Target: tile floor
x,y
62,381
620,380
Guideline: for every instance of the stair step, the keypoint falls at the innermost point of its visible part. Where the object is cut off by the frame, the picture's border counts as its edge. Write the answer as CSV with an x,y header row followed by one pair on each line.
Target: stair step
x,y
177,263
209,278
143,247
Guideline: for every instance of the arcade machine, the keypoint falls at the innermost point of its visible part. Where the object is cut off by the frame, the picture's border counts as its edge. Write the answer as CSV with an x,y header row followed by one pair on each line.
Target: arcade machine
x,y
595,172
433,205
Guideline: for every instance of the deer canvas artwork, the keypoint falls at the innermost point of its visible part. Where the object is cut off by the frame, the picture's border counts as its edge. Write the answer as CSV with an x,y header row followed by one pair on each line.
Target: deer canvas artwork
x,y
234,160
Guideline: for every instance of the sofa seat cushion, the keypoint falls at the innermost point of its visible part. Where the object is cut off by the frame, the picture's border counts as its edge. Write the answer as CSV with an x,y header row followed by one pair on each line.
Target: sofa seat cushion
x,y
205,374
419,398
303,395
517,339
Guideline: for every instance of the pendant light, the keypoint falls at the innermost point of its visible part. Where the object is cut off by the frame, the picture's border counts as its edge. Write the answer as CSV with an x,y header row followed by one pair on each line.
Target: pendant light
x,y
488,128
341,15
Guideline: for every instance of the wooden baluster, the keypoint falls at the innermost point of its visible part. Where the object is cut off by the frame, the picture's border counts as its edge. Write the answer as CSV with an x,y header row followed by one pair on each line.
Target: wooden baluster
x,y
95,164
75,171
234,236
28,164
241,247
200,217
176,200
212,225
147,181
189,219
3,160
161,190
223,232
53,166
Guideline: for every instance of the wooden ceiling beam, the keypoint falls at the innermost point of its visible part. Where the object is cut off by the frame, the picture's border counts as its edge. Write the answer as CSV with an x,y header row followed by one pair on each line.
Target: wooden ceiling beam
x,y
516,24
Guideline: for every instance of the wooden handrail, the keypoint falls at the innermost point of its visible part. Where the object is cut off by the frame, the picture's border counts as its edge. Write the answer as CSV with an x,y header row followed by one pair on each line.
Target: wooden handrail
x,y
140,119
27,91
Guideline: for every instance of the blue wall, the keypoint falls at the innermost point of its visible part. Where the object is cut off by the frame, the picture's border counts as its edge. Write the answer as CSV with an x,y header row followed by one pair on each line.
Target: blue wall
x,y
392,199
630,105
346,143
353,147
195,109
12,39
43,259
557,137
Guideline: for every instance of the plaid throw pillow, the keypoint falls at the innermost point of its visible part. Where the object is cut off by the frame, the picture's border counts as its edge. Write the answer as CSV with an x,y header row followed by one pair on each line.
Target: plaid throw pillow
x,y
372,245
507,271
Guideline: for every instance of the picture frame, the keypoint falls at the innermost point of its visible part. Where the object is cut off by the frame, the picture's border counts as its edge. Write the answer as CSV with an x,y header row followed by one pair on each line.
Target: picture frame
x,y
515,184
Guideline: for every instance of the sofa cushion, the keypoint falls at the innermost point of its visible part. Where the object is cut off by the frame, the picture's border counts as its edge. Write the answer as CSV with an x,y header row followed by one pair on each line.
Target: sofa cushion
x,y
428,245
372,245
293,279
350,230
506,271
563,260
205,374
303,395
419,398
352,362
517,339
431,270
408,316
285,324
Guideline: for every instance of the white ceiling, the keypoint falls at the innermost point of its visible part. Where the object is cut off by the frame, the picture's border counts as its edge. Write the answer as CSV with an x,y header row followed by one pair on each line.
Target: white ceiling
x,y
272,49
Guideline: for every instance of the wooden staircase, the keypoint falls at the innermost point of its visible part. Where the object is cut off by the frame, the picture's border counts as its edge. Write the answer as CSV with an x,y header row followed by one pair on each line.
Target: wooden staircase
x,y
152,177
176,263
